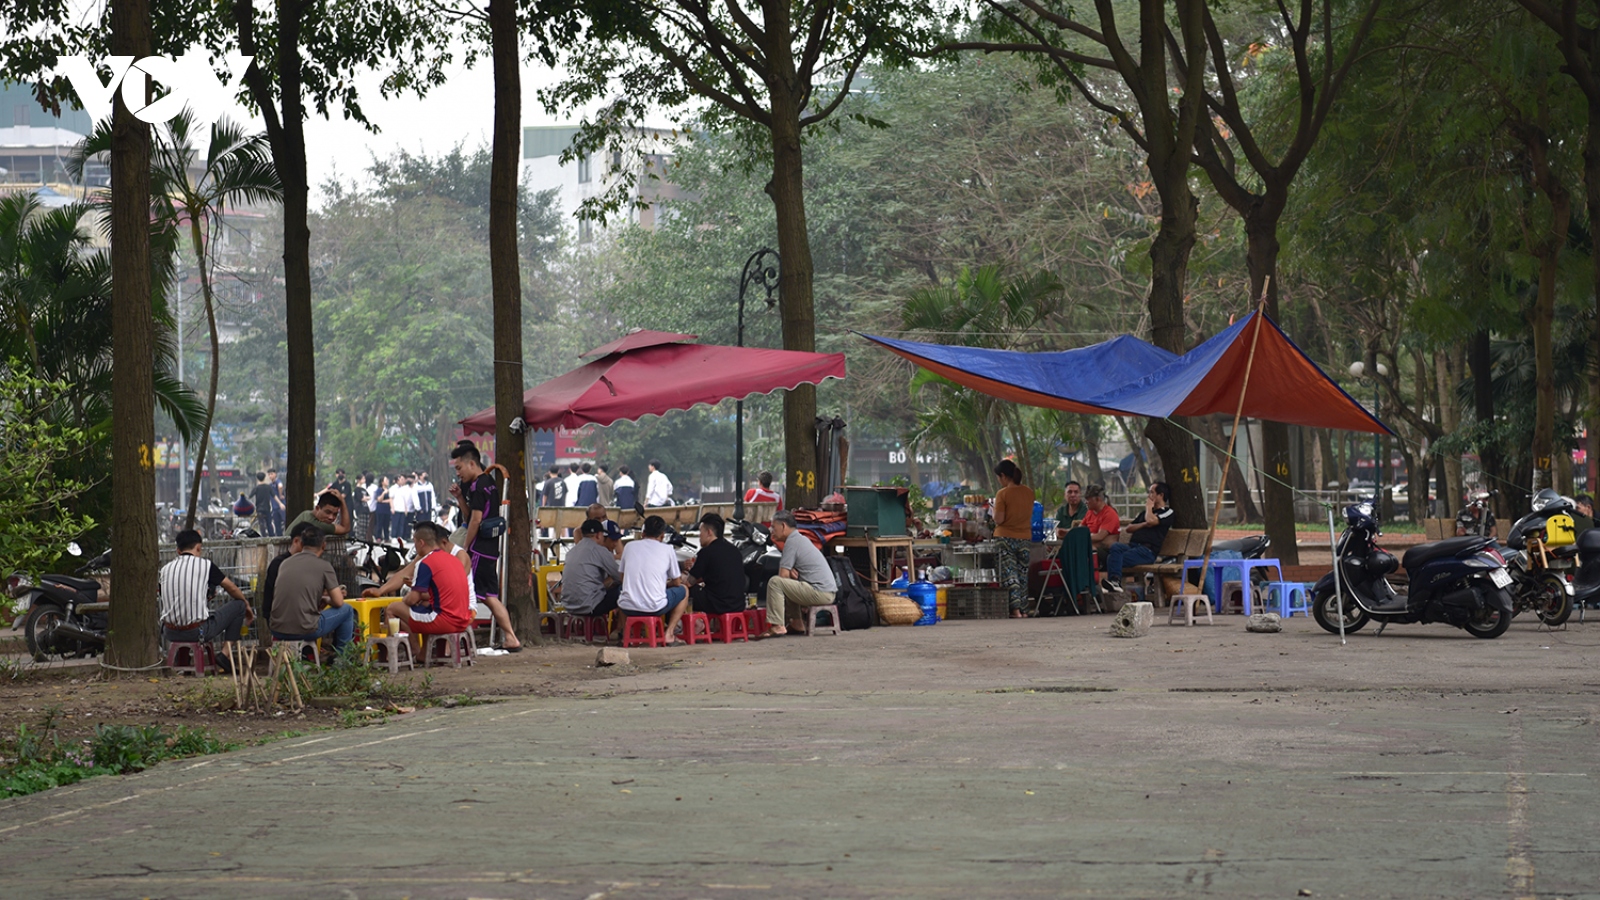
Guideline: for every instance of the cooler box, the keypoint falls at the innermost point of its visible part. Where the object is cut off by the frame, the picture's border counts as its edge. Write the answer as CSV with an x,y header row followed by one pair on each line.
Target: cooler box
x,y
875,511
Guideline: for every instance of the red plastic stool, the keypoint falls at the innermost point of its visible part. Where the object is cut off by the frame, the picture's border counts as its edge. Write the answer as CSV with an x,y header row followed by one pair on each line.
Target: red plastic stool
x,y
727,626
587,627
696,628
644,631
199,656
755,620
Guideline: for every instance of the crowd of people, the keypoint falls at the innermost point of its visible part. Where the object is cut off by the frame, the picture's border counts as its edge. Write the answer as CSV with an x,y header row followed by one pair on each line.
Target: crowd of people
x,y
455,558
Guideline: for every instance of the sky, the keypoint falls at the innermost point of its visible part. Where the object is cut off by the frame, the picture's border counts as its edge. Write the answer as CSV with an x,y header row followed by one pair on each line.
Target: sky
x,y
459,111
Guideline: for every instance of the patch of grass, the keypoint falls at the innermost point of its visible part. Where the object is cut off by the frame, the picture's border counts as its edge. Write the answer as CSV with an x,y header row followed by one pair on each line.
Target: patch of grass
x,y
36,759
351,675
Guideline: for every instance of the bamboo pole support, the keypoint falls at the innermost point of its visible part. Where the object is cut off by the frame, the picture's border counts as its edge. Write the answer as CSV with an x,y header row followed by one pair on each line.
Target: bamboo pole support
x,y
1233,438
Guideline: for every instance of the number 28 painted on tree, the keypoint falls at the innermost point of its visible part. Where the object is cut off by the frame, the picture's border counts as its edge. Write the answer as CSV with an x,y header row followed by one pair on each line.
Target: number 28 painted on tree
x,y
805,480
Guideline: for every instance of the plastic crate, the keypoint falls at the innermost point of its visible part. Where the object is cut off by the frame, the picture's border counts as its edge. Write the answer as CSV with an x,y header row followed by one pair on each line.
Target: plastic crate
x,y
972,601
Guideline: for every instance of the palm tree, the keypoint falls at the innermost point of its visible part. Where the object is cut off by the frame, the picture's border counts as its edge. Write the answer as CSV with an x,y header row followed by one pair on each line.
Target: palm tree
x,y
188,189
982,308
55,301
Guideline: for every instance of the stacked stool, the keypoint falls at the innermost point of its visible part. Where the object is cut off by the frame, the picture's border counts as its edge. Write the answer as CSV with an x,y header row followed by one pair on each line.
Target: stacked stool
x,y
1289,597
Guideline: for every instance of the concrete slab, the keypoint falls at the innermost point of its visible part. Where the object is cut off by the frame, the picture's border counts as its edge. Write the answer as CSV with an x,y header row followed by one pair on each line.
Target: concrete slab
x,y
990,759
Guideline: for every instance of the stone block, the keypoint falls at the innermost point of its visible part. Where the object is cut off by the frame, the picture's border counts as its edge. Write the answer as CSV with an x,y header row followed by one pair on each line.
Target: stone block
x,y
611,656
1133,620
1264,622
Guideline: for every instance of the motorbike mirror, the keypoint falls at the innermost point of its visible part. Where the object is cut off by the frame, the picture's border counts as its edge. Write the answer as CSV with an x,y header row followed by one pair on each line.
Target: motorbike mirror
x,y
74,549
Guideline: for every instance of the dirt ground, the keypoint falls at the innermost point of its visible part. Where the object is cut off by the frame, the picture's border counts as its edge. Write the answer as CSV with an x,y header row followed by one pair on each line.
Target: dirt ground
x,y
83,695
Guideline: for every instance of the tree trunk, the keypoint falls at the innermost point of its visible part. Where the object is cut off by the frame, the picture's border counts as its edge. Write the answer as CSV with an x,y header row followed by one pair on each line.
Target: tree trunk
x,y
1448,373
506,284
1482,366
197,237
795,299
1169,260
284,115
133,642
1233,480
1261,256
300,482
1591,195
1544,420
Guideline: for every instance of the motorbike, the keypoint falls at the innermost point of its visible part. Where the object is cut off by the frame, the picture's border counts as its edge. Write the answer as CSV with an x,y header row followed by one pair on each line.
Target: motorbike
x,y
63,615
1253,547
1460,581
1542,556
1586,585
375,561
760,555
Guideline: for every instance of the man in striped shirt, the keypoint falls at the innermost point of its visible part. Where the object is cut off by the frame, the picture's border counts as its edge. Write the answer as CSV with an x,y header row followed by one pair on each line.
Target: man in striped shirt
x,y
186,585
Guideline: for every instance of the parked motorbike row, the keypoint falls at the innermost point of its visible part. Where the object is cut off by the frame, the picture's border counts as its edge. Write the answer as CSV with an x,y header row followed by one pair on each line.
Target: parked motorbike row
x,y
1469,582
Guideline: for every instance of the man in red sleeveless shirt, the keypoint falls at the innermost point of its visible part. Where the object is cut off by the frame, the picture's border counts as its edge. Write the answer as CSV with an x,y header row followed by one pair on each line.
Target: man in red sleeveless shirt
x,y
438,602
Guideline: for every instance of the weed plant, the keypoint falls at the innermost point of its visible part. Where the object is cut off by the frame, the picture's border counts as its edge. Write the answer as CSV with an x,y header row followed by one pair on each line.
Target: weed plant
x,y
36,759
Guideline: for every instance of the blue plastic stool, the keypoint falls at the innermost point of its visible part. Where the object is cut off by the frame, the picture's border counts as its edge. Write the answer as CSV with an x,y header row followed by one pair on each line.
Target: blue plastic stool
x,y
1289,597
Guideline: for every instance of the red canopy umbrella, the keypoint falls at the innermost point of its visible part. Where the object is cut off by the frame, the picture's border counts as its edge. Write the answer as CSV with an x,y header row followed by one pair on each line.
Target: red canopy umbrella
x,y
651,372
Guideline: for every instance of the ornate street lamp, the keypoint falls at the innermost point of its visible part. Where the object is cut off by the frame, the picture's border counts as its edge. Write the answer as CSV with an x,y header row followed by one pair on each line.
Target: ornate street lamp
x,y
761,269
1359,370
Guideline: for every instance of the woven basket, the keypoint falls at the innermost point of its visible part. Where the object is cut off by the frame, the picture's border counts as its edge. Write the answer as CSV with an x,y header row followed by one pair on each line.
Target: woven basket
x,y
896,609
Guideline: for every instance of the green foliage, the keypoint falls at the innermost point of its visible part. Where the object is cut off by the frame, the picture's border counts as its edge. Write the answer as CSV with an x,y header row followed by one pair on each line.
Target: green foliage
x,y
35,497
35,758
403,301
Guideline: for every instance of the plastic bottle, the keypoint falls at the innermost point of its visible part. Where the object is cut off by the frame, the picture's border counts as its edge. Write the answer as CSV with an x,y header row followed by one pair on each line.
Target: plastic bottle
x,y
1038,521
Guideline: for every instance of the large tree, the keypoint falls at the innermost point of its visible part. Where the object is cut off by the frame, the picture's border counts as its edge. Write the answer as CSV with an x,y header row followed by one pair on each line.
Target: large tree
x,y
772,69
1321,47
133,640
1161,114
1576,28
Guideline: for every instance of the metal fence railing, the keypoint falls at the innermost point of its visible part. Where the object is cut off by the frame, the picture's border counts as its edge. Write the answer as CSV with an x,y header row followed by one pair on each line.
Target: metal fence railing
x,y
245,560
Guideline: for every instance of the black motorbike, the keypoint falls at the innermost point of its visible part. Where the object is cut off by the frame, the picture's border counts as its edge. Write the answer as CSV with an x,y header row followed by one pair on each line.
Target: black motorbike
x,y
63,616
754,541
1586,584
1459,581
1539,563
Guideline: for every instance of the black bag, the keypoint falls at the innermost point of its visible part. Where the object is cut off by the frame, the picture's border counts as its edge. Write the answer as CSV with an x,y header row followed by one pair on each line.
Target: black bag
x,y
491,528
857,608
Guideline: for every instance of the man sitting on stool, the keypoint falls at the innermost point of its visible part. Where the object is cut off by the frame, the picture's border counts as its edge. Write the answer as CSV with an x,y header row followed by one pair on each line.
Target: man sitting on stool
x,y
803,578
186,584
439,601
307,582
651,581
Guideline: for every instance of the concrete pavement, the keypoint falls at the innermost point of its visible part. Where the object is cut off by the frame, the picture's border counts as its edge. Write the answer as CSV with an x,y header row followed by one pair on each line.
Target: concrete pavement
x,y
992,759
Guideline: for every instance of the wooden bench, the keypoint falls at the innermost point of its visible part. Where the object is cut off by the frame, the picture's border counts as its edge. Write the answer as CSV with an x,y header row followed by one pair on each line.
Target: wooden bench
x,y
1181,544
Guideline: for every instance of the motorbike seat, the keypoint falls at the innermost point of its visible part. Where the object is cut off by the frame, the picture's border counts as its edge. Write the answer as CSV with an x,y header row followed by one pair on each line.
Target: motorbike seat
x,y
1422,554
1244,546
86,585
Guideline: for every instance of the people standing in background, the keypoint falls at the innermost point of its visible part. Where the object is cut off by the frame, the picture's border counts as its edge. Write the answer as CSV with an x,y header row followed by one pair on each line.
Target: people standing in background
x,y
382,509
360,502
264,495
427,503
405,507
340,484
606,489
279,507
588,486
657,488
627,496
569,483
554,489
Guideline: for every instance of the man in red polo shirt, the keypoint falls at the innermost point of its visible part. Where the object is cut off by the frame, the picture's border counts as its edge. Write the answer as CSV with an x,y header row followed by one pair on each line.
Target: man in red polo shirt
x,y
438,602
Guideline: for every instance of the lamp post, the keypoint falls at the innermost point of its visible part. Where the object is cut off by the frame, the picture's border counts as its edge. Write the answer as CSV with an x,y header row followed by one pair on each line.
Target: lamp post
x,y
760,269
1359,370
